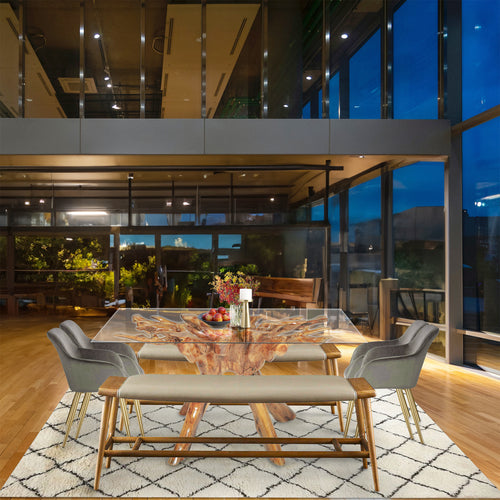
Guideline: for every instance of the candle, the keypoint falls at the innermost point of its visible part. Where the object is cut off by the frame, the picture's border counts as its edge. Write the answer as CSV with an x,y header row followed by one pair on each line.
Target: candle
x,y
245,294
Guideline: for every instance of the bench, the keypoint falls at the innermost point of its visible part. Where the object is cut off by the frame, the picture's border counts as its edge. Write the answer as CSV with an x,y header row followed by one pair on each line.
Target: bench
x,y
238,389
328,353
299,292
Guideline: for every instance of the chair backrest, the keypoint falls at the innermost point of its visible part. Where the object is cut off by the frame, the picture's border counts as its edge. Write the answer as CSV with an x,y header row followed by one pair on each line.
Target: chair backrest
x,y
398,367
85,369
76,334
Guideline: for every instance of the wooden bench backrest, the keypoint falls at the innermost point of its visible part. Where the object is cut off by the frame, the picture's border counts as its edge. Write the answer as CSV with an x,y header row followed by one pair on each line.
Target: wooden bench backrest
x,y
307,289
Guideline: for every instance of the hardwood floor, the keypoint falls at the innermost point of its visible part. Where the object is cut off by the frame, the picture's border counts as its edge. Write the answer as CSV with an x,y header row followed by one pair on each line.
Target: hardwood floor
x,y
464,403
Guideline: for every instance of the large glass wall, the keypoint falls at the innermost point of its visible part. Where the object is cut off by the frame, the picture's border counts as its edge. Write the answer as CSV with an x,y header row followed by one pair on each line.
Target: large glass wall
x,y
481,226
415,69
364,250
364,80
480,56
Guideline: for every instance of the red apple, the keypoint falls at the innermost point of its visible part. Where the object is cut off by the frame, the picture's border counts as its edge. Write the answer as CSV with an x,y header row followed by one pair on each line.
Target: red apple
x,y
226,317
222,310
208,317
213,312
218,317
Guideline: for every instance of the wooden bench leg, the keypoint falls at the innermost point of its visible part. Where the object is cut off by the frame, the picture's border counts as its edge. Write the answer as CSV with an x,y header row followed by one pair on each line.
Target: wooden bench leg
x,y
111,426
371,440
102,439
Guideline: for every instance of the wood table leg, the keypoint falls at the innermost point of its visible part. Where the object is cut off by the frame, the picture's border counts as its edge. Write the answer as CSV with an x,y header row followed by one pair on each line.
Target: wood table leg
x,y
281,412
112,425
191,422
265,428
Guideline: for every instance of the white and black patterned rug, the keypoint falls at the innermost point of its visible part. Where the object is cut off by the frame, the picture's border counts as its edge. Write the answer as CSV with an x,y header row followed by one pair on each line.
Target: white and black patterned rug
x,y
406,468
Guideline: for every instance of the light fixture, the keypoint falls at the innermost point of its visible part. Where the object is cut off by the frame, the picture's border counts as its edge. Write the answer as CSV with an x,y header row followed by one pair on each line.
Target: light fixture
x,y
344,36
68,239
285,105
115,106
309,77
106,78
130,176
168,203
271,199
109,85
27,203
361,156
186,203
97,36
87,213
42,201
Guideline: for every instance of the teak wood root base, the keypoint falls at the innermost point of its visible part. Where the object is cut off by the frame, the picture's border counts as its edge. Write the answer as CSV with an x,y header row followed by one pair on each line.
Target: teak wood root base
x,y
365,439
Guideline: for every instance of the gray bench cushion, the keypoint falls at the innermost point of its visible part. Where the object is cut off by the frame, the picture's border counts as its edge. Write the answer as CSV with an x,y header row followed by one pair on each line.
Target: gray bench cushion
x,y
295,352
302,352
237,388
164,352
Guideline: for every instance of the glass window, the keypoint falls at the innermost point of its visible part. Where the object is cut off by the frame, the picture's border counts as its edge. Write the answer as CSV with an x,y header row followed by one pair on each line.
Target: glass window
x,y
415,64
364,251
334,96
364,80
481,226
306,110
334,216
480,56
418,231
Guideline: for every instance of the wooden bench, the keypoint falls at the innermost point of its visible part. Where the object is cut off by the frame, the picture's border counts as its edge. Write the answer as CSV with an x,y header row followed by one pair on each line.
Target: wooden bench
x,y
238,389
299,292
328,353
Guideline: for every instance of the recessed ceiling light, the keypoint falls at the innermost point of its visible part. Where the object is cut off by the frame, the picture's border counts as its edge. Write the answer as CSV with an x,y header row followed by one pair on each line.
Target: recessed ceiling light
x,y
42,201
109,85
344,36
27,203
285,105
115,106
106,78
96,36
271,199
309,77
186,203
168,203
86,213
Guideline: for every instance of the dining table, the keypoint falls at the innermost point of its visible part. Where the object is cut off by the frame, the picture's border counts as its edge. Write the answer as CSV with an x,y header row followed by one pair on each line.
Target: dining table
x,y
218,349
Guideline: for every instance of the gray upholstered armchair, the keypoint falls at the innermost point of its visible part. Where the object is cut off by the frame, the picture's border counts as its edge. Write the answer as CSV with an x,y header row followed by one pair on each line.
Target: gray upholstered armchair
x,y
395,366
124,351
86,370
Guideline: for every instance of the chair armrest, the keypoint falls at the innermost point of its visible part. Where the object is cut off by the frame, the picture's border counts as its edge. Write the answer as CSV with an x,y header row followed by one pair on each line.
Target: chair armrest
x,y
117,347
385,352
362,349
100,356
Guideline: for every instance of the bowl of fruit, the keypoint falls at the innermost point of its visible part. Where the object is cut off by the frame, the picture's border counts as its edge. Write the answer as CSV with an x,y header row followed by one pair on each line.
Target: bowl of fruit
x,y
216,318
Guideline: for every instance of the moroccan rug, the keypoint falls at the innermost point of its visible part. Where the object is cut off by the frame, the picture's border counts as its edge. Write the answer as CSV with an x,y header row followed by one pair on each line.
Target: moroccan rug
x,y
406,467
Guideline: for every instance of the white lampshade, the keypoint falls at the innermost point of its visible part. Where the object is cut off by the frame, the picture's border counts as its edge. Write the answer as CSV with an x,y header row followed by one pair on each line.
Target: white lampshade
x,y
245,294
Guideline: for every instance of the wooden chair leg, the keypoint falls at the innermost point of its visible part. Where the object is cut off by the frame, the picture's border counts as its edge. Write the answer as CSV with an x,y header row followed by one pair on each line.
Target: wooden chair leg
x,y
102,440
348,417
83,412
71,416
367,407
335,365
404,409
124,420
138,411
414,412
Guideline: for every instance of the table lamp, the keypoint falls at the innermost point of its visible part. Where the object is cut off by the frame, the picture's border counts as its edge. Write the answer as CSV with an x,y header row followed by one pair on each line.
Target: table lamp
x,y
245,299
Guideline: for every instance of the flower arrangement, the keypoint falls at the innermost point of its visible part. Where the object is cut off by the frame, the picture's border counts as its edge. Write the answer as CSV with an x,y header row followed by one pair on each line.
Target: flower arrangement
x,y
228,287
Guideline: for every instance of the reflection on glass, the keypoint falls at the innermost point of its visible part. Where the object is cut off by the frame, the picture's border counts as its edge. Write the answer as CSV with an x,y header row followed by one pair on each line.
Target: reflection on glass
x,y
418,227
138,270
481,226
334,217
112,58
186,270
364,80
415,65
364,250
480,56
335,96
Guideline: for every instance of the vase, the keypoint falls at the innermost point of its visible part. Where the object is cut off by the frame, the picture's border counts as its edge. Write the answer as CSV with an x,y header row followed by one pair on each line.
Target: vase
x,y
235,315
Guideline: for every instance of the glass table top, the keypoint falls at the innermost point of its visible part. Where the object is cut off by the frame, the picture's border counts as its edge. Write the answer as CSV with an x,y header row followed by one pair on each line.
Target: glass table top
x,y
267,326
